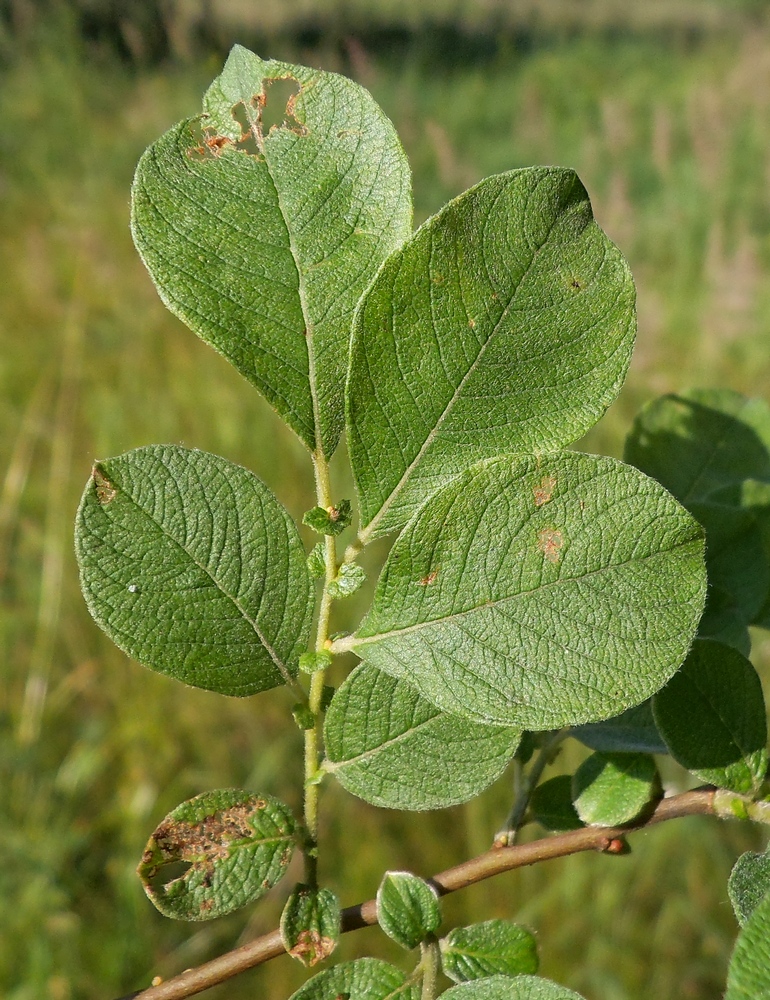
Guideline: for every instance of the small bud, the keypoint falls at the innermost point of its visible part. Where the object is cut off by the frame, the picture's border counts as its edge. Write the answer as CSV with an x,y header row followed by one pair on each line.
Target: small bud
x,y
348,580
310,662
330,521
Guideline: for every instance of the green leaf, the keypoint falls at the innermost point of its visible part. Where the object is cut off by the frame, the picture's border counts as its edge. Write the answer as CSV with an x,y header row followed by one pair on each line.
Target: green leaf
x,y
712,716
329,522
748,884
633,731
748,977
363,979
489,948
505,988
551,804
505,324
505,608
310,924
316,561
263,244
347,581
711,448
192,567
392,748
724,621
407,908
615,788
231,845
309,663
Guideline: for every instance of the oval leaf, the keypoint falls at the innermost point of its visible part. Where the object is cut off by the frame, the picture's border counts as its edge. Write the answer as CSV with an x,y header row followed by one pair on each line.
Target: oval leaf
x,y
748,884
633,731
233,846
712,716
262,241
407,908
498,604
612,789
748,977
505,324
390,747
486,949
363,979
505,988
551,804
192,567
310,924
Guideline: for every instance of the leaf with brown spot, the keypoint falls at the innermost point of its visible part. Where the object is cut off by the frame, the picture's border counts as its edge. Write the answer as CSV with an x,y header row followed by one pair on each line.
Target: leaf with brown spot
x,y
310,924
217,852
550,542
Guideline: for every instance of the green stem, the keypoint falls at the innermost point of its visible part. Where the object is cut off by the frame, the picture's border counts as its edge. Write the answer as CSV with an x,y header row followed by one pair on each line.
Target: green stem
x,y
313,736
525,784
429,966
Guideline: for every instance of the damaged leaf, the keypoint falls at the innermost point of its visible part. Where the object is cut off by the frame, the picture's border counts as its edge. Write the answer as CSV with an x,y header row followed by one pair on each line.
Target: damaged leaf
x,y
217,852
262,240
310,924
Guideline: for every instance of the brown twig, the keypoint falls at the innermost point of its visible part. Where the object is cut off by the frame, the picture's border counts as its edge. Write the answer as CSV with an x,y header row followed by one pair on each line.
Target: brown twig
x,y
492,862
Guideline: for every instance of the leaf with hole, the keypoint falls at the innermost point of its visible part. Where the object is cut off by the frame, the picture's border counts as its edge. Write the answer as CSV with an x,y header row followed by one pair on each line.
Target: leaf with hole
x,y
217,852
363,979
712,716
505,324
516,612
506,988
262,241
192,567
493,947
614,788
391,747
310,924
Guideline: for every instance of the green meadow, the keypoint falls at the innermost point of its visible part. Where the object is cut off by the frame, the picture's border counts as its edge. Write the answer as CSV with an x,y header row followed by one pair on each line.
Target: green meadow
x,y
670,132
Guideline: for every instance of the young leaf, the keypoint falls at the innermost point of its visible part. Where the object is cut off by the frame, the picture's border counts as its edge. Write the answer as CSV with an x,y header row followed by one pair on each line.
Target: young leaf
x,y
712,716
507,608
233,845
407,909
390,747
612,789
486,949
310,924
504,325
329,522
633,731
348,580
363,979
263,242
748,884
192,567
551,804
748,977
505,988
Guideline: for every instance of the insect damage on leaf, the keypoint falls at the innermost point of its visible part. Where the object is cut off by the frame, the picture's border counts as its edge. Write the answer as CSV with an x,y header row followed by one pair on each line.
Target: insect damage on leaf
x,y
106,491
258,119
544,490
550,542
312,948
199,844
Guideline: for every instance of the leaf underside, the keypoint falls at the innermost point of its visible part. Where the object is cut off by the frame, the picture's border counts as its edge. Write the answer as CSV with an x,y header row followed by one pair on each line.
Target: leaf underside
x,y
192,567
504,325
539,592
263,243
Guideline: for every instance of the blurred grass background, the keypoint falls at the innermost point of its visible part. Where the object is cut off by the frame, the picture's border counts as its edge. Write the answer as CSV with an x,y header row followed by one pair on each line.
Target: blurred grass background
x,y
662,107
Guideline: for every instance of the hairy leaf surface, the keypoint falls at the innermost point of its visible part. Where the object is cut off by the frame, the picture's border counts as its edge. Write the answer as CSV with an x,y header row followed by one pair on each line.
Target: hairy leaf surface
x,y
493,947
712,716
363,979
192,567
614,788
407,908
234,846
748,977
506,988
310,924
748,884
633,731
504,325
507,608
391,747
262,242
